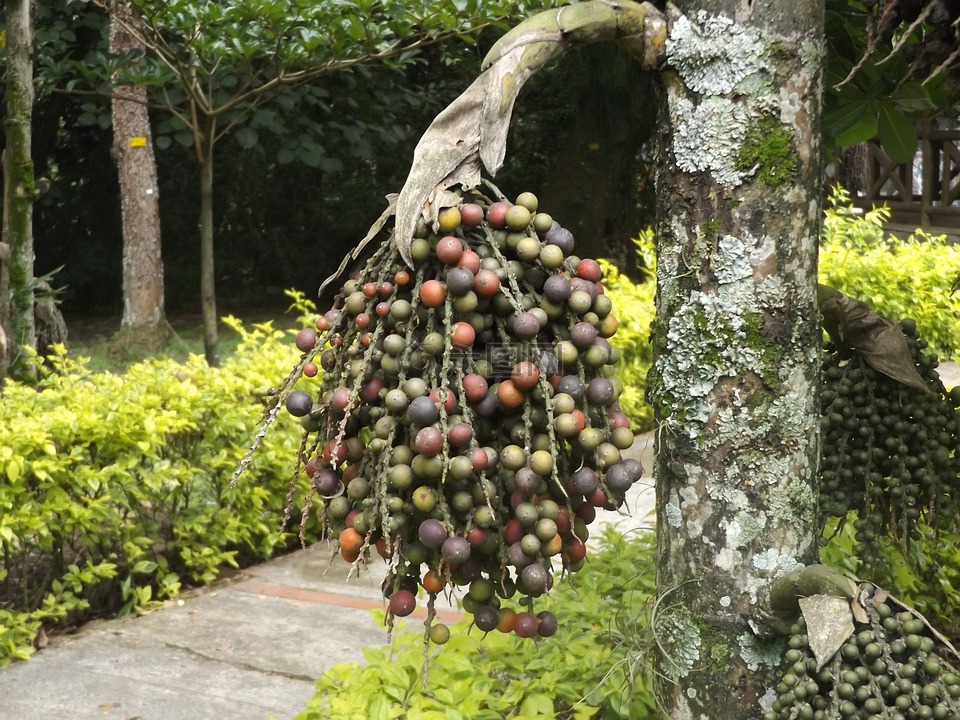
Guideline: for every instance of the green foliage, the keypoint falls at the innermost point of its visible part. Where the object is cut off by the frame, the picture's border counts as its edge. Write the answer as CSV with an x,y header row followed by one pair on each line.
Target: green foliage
x,y
634,309
590,669
897,278
116,488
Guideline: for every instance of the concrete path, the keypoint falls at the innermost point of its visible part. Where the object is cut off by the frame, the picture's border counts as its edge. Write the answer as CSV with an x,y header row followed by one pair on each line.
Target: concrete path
x,y
247,648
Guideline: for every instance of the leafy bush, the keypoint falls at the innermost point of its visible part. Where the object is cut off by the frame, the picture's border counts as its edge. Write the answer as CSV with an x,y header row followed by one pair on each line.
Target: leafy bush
x,y
117,487
590,669
634,309
896,277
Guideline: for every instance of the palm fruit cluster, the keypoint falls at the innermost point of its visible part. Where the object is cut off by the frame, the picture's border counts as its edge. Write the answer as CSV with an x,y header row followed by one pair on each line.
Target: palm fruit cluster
x,y
466,424
889,452
893,667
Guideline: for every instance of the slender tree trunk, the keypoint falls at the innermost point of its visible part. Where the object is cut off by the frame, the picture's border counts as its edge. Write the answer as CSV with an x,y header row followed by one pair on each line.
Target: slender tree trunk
x,y
19,188
736,343
144,321
208,290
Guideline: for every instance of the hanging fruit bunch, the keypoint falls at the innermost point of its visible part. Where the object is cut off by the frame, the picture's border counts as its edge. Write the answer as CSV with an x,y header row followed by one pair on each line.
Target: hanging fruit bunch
x,y
466,427
890,431
890,665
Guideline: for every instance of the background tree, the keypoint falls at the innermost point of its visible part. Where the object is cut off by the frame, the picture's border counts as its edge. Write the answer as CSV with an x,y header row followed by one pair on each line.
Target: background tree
x,y
218,68
144,322
19,190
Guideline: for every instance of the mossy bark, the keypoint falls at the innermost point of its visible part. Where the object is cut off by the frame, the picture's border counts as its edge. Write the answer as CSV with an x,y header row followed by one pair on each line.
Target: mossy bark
x,y
144,325
19,189
736,347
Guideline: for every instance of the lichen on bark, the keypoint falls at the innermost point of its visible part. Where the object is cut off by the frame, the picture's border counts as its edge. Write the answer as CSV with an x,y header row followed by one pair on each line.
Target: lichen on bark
x,y
735,363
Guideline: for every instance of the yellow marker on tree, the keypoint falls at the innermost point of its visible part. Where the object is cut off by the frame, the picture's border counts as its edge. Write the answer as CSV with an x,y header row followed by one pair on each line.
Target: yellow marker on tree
x,y
138,142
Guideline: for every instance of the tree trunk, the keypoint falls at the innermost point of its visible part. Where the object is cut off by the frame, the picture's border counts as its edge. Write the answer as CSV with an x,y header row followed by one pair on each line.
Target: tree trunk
x,y
144,322
19,189
736,343
208,291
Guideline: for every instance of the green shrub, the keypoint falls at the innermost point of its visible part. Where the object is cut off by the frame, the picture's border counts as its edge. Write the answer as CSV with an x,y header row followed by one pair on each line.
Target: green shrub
x,y
590,669
116,488
633,307
896,277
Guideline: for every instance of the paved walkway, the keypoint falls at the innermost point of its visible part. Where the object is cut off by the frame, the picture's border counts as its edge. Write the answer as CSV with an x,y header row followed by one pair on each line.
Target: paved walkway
x,y
247,648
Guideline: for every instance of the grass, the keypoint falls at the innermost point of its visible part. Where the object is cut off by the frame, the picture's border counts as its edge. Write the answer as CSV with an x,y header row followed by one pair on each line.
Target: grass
x,y
98,338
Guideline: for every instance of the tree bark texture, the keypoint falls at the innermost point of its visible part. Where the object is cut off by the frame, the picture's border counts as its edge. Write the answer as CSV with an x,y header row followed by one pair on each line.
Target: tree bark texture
x,y
143,303
208,288
19,188
736,343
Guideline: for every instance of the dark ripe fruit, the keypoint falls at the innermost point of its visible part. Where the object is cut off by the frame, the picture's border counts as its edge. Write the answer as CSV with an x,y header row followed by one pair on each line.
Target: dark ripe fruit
x,y
571,385
619,478
525,624
526,326
599,498
370,390
576,550
600,392
433,293
527,481
382,309
525,375
459,434
449,249
548,623
559,236
326,482
402,603
432,533
479,458
582,335
513,531
585,481
429,441
306,339
463,336
517,557
460,281
422,411
310,369
475,387
497,215
468,571
557,288
470,260
299,403
455,550
486,283
477,536
535,579
589,270
578,284
486,618
488,406
549,365
471,214
635,468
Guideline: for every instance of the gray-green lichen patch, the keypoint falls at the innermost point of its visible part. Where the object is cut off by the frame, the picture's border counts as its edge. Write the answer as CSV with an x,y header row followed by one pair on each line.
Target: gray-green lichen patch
x,y
679,639
713,54
674,516
757,652
730,262
707,137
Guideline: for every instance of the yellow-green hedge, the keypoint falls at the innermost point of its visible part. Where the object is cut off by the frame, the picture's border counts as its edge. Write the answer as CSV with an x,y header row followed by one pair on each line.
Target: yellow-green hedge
x,y
115,489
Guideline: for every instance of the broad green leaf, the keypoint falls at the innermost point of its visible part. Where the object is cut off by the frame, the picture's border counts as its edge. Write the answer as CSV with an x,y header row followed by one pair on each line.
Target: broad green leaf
x,y
897,134
912,96
861,131
248,137
537,705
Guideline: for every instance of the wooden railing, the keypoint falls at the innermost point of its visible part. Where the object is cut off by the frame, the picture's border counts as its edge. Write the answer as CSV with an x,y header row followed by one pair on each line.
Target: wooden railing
x,y
935,204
